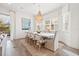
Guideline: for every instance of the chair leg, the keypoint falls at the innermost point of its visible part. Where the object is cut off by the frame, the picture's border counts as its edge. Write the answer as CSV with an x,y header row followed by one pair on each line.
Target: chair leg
x,y
39,46
26,40
35,43
29,41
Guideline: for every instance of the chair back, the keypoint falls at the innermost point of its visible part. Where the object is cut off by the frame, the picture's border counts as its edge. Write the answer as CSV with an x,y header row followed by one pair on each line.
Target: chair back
x,y
55,35
32,35
37,37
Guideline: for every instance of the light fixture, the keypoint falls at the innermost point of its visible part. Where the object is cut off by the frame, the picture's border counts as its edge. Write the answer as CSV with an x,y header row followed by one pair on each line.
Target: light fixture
x,y
39,16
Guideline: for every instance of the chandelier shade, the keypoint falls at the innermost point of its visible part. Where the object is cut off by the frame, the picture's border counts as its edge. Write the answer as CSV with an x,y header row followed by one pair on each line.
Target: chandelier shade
x,y
39,17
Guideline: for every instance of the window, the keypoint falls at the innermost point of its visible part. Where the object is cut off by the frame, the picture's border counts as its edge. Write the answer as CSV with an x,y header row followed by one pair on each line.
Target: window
x,y
26,24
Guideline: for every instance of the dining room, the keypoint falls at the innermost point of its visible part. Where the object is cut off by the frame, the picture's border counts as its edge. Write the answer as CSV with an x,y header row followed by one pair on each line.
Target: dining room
x,y
42,29
38,30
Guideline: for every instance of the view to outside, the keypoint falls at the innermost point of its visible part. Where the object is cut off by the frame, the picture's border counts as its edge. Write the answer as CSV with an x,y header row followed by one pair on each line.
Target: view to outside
x,y
5,24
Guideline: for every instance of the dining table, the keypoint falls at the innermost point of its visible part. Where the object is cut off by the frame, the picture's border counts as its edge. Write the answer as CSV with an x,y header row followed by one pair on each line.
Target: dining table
x,y
45,35
48,35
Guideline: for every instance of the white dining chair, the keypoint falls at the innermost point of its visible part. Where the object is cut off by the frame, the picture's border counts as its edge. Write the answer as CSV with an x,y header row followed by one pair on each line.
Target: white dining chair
x,y
52,42
39,42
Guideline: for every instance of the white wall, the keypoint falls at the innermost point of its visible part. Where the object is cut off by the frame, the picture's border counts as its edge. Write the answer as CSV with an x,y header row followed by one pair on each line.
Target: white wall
x,y
4,11
74,8
19,33
71,35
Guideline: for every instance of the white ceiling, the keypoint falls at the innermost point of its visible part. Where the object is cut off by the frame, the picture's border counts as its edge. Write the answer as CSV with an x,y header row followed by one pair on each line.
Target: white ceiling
x,y
31,8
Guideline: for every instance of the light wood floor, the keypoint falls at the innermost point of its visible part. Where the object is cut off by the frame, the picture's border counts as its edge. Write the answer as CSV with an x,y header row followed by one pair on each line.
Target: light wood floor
x,y
14,48
21,48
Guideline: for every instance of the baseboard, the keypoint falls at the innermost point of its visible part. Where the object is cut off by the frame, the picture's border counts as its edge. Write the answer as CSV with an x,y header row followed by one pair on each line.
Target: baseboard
x,y
63,43
68,45
49,49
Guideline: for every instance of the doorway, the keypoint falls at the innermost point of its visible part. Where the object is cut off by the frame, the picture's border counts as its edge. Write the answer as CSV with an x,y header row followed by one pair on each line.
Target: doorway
x,y
5,24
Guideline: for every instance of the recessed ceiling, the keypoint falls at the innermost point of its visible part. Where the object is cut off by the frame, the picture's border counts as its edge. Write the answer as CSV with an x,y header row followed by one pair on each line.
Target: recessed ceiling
x,y
31,8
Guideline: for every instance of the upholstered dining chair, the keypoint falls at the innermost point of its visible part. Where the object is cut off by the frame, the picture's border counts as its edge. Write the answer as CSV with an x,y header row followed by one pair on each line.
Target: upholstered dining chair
x,y
30,38
34,40
52,43
39,41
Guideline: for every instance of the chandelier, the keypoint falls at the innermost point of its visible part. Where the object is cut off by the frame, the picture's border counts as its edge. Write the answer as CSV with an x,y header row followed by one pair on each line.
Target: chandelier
x,y
39,16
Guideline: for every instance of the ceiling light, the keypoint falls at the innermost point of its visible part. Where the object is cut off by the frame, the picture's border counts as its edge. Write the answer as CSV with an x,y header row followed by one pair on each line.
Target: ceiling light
x,y
39,16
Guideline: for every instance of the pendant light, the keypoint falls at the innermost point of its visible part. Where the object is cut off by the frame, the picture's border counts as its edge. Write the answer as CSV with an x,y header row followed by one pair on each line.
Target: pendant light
x,y
39,16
